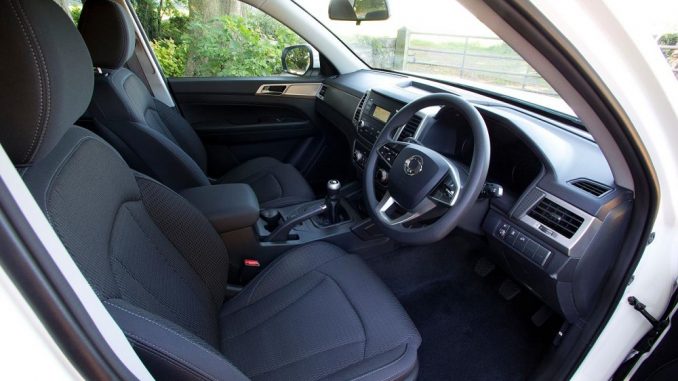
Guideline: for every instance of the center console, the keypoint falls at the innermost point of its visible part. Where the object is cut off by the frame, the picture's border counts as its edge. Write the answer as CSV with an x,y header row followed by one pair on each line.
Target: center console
x,y
373,112
255,237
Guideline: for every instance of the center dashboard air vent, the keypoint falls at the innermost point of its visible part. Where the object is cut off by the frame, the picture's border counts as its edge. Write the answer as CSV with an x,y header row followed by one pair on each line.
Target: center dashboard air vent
x,y
591,187
410,129
359,109
556,217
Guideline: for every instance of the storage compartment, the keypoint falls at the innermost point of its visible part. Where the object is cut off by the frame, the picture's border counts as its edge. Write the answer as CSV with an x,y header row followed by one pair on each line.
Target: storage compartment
x,y
233,210
228,207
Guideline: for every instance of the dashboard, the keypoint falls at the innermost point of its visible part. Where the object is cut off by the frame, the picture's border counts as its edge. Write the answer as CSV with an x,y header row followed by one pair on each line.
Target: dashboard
x,y
555,228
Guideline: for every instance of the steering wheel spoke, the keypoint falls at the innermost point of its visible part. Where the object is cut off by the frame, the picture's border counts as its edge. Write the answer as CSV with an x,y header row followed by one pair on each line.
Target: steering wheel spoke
x,y
447,192
391,213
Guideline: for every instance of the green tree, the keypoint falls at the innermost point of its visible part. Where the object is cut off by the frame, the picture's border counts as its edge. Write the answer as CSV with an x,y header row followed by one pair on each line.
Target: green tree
x,y
670,39
213,37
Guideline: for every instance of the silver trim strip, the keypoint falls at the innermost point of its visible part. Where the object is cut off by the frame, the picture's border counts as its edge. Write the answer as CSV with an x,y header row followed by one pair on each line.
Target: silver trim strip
x,y
568,243
302,90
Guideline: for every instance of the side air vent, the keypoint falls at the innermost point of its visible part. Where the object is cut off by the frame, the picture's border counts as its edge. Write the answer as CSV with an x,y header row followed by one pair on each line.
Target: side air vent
x,y
556,217
321,93
359,109
410,128
591,187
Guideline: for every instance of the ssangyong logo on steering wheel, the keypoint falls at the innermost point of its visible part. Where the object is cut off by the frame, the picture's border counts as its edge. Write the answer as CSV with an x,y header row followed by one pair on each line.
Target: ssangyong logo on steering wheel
x,y
413,165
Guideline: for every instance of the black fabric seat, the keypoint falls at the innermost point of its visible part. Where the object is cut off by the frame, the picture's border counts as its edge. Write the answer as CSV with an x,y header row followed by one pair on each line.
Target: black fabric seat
x,y
158,265
154,138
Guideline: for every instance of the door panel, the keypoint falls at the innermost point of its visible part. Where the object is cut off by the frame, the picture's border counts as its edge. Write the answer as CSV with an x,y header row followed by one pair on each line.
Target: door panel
x,y
237,124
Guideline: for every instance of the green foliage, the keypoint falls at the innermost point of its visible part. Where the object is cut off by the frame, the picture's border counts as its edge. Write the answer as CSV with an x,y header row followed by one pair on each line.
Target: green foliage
x,y
75,13
249,43
382,50
670,39
148,12
172,57
236,46
174,27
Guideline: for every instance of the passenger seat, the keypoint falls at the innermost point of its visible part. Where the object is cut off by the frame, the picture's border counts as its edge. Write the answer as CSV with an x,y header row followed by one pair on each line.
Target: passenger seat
x,y
154,138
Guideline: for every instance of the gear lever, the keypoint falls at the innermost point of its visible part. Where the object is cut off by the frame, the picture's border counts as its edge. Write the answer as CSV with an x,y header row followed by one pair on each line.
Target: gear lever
x,y
332,201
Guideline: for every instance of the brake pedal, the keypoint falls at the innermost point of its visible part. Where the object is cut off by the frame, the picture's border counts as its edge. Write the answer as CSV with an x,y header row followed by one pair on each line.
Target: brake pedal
x,y
484,267
509,289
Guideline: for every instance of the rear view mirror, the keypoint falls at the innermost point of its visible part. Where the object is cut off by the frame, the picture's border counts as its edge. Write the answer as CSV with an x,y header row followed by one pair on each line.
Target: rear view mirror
x,y
358,10
297,59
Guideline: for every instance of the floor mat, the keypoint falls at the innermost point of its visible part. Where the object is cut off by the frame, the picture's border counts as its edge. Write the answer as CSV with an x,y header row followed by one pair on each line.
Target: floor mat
x,y
469,331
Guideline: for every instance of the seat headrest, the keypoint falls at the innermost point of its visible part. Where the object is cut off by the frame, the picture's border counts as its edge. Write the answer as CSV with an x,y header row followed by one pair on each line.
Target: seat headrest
x,y
46,77
108,32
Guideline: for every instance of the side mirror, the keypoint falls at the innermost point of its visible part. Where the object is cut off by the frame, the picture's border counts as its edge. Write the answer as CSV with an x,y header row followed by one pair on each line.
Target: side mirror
x,y
358,10
297,59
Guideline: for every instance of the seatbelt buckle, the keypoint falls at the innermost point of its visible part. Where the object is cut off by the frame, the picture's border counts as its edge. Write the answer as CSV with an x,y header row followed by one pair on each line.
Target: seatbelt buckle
x,y
250,268
251,263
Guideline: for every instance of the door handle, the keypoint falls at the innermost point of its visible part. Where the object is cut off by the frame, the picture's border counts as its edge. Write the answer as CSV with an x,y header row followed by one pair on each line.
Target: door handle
x,y
272,89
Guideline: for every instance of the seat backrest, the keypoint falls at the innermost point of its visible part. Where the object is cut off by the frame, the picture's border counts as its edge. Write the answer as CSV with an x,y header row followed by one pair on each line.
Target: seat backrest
x,y
154,261
152,137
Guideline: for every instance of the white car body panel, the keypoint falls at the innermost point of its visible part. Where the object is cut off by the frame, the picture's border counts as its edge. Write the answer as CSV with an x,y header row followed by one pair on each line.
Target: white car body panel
x,y
630,64
29,352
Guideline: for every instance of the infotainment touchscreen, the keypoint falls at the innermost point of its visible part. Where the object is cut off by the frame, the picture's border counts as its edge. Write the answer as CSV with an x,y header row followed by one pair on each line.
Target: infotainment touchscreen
x,y
381,114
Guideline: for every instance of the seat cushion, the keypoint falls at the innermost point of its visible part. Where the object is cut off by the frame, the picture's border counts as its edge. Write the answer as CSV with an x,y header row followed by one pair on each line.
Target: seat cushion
x,y
276,184
315,313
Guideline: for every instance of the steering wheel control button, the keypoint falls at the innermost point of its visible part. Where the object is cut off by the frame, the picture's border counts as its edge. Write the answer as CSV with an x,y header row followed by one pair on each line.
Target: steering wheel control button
x,y
388,154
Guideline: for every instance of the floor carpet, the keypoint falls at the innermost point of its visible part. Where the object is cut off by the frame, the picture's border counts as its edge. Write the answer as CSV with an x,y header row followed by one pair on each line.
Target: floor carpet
x,y
469,331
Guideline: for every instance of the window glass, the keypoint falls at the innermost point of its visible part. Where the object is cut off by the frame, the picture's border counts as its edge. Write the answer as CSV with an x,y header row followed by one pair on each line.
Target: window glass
x,y
441,39
213,38
71,7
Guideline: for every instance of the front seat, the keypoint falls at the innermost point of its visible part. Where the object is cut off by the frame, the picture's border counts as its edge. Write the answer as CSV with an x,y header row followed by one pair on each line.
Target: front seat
x,y
157,264
154,138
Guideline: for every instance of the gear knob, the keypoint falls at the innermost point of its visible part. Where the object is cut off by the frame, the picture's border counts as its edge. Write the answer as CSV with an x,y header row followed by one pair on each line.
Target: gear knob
x,y
333,188
332,201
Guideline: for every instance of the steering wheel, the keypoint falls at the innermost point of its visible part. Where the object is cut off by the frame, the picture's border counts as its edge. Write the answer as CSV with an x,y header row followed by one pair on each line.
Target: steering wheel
x,y
421,179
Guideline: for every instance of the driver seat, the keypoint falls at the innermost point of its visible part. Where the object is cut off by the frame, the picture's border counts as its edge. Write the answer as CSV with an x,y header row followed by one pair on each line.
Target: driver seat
x,y
157,264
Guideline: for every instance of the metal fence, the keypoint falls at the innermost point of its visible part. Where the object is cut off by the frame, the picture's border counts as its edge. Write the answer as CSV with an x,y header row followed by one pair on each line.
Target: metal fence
x,y
475,58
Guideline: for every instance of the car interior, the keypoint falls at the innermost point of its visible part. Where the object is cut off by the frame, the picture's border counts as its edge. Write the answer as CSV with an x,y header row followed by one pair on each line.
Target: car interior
x,y
368,225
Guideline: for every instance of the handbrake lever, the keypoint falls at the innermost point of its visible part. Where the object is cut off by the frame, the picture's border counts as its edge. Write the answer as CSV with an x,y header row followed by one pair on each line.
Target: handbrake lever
x,y
282,232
